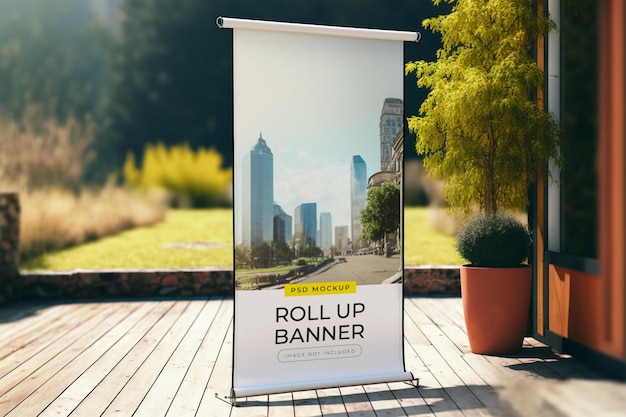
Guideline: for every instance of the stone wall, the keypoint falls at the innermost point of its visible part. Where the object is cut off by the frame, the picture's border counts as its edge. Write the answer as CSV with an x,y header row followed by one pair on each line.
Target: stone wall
x,y
432,280
126,283
150,283
193,282
9,247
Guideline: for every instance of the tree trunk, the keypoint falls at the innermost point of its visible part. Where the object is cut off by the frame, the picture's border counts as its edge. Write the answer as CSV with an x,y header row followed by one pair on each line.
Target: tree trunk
x,y
490,205
490,194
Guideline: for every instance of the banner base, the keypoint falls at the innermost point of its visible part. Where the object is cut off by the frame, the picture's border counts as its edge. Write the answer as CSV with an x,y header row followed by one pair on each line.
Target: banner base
x,y
321,384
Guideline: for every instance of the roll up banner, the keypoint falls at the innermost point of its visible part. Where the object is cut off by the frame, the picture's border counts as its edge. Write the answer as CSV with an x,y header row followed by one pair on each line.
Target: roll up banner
x,y
318,119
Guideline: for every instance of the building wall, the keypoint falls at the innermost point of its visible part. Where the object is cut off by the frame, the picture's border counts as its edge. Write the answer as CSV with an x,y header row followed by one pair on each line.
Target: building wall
x,y
612,165
581,299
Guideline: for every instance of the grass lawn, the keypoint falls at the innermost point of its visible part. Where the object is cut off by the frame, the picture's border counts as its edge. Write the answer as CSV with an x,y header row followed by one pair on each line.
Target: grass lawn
x,y
424,245
186,239
198,238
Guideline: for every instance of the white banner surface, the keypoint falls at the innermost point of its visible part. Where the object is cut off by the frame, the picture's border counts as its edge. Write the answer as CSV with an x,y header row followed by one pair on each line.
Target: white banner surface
x,y
316,112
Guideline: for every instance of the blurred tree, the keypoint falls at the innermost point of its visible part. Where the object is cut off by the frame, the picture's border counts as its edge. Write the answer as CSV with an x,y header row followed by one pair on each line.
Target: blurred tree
x,y
172,67
52,54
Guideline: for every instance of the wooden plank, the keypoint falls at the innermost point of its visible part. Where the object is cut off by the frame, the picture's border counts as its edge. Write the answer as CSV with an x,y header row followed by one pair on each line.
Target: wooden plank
x,y
382,400
188,398
22,328
13,313
128,400
170,379
410,399
80,362
445,337
473,377
136,326
281,405
331,402
437,399
562,363
356,401
306,404
534,360
36,371
42,387
215,402
82,377
45,343
164,317
494,371
256,406
462,396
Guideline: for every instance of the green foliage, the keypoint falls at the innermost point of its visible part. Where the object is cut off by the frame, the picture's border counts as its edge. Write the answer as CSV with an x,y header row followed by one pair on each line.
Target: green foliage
x,y
197,177
494,240
479,128
382,212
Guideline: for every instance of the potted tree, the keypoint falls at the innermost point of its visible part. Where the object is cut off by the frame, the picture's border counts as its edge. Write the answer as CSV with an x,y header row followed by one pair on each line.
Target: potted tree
x,y
481,128
496,284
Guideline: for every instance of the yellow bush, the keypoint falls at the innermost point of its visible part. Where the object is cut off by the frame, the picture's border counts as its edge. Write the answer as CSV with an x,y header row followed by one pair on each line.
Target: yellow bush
x,y
195,179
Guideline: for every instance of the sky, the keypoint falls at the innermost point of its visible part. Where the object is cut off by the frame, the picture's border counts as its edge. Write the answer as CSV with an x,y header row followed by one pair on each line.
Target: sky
x,y
317,102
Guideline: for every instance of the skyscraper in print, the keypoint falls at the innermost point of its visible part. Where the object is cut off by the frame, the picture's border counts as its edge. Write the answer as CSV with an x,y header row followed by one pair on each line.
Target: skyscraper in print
x,y
258,194
358,197
341,238
282,225
391,117
326,231
305,220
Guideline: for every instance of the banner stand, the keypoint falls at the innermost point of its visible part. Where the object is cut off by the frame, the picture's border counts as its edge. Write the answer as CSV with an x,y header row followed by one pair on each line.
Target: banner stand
x,y
232,399
318,129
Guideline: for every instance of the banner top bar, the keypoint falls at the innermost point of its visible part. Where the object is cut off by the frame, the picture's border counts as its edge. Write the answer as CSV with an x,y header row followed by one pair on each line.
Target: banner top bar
x,y
390,35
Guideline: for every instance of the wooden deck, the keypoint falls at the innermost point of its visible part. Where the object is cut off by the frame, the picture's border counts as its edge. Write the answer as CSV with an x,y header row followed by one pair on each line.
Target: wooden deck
x,y
172,357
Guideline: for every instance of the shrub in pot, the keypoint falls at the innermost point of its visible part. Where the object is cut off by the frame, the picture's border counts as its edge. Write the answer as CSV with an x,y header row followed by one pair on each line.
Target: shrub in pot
x,y
493,240
496,284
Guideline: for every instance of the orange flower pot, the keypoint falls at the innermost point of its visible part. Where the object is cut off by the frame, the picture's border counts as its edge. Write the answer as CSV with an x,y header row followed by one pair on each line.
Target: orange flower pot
x,y
496,302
